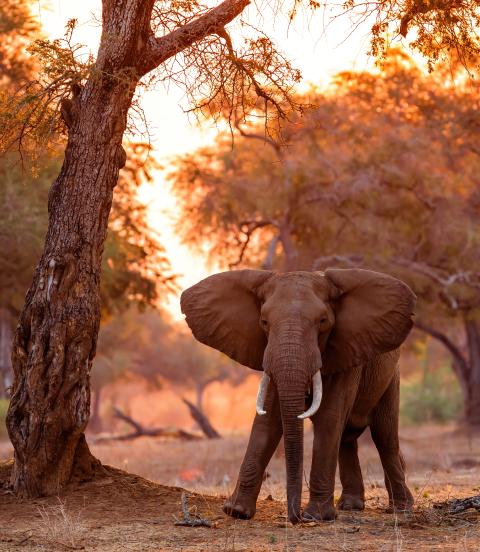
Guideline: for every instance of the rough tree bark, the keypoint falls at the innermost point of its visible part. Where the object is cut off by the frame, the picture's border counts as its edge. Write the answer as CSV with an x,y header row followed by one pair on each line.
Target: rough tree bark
x,y
55,340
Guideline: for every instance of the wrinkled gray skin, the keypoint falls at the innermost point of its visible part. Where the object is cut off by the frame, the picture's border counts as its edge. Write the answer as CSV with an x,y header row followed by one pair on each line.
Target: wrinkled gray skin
x,y
346,323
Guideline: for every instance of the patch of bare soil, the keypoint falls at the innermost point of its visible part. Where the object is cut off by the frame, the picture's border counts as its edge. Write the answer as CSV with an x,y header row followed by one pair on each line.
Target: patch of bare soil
x,y
124,512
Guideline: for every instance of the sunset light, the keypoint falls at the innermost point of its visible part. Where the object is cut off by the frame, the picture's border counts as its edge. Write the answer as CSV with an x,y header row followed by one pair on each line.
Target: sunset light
x,y
172,131
239,275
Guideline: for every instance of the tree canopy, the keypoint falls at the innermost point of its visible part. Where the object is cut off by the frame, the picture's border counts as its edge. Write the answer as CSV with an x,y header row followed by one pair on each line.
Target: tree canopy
x,y
380,173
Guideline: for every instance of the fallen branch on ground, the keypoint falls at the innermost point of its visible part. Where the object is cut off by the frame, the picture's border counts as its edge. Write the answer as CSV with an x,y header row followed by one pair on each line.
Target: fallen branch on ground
x,y
141,431
189,520
459,505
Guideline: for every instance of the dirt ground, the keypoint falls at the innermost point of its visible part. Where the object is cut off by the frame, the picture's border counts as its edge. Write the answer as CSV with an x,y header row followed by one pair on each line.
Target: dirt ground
x,y
125,512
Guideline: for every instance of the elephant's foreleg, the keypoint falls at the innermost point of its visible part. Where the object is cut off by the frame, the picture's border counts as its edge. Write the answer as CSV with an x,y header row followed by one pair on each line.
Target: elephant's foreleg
x,y
384,428
339,393
353,491
264,439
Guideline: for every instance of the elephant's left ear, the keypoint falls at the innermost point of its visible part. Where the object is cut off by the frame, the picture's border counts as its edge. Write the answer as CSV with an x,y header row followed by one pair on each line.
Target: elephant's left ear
x,y
373,315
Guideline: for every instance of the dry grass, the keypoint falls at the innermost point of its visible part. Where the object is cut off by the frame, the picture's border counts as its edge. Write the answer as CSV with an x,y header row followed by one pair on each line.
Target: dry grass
x,y
59,526
126,513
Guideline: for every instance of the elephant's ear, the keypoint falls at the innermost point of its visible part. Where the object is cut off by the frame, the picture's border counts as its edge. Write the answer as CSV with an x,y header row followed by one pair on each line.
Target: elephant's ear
x,y
223,311
373,315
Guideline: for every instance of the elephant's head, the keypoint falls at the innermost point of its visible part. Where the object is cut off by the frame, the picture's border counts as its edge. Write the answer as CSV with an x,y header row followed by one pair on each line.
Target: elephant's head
x,y
295,326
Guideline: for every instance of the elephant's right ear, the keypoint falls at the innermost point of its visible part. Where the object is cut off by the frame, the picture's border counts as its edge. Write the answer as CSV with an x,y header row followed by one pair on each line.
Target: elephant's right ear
x,y
223,311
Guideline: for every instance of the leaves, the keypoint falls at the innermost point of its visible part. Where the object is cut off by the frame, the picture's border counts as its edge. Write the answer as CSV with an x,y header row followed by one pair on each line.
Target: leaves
x,y
382,172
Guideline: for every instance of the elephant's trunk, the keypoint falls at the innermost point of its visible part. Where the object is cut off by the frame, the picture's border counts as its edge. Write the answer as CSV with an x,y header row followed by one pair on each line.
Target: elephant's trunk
x,y
292,366
292,403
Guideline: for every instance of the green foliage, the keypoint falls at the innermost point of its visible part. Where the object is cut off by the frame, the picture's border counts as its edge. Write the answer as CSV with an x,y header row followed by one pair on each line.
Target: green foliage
x,y
435,396
29,113
3,415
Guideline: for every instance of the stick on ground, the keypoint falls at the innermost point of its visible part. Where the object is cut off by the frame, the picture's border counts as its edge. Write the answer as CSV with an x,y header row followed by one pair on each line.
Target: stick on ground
x,y
189,520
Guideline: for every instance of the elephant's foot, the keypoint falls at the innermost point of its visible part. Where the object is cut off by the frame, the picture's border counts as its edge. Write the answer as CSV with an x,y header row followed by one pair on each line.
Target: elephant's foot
x,y
317,510
403,503
399,507
350,502
241,507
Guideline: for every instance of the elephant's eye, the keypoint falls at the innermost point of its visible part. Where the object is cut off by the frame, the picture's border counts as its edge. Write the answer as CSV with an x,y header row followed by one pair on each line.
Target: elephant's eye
x,y
264,323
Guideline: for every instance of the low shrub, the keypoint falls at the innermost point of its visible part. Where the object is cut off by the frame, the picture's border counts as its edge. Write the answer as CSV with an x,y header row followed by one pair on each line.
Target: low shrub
x,y
434,396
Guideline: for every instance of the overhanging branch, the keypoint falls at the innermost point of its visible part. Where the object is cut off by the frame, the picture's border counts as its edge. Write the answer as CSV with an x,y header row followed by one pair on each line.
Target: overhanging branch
x,y
160,49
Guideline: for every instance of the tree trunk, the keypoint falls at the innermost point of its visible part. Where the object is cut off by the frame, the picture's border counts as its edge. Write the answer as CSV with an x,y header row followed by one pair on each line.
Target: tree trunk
x,y
289,249
199,393
472,407
55,341
466,368
203,422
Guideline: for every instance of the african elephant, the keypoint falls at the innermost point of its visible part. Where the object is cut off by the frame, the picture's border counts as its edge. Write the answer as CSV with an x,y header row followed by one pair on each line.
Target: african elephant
x,y
331,337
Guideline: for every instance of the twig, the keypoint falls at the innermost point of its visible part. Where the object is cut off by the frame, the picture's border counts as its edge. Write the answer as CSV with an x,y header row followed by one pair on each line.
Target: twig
x,y
459,505
24,540
188,520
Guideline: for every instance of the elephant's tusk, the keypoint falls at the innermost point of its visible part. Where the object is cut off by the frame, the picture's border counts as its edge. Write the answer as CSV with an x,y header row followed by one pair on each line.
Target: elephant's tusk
x,y
317,396
262,393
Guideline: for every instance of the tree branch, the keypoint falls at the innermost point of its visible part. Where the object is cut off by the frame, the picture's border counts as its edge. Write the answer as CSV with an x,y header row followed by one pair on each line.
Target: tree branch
x,y
248,228
261,93
458,357
159,49
263,138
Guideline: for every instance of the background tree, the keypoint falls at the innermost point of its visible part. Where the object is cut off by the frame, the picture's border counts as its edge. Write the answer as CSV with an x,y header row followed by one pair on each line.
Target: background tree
x,y
17,29
170,357
381,173
152,346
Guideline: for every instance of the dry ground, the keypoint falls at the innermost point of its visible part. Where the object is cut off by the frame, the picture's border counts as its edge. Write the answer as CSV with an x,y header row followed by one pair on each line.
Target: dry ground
x,y
124,512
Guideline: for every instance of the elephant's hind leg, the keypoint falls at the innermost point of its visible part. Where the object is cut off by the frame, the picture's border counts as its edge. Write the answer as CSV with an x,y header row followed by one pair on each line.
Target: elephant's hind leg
x,y
384,429
353,491
264,438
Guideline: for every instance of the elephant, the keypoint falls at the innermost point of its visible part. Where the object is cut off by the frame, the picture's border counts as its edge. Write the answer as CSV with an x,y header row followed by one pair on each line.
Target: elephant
x,y
331,338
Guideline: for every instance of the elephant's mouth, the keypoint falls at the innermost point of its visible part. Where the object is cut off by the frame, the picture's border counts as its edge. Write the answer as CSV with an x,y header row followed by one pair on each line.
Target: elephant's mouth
x,y
316,395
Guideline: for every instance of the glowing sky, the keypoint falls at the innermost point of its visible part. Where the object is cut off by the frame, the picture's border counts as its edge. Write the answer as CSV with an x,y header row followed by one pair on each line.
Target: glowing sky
x,y
318,50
